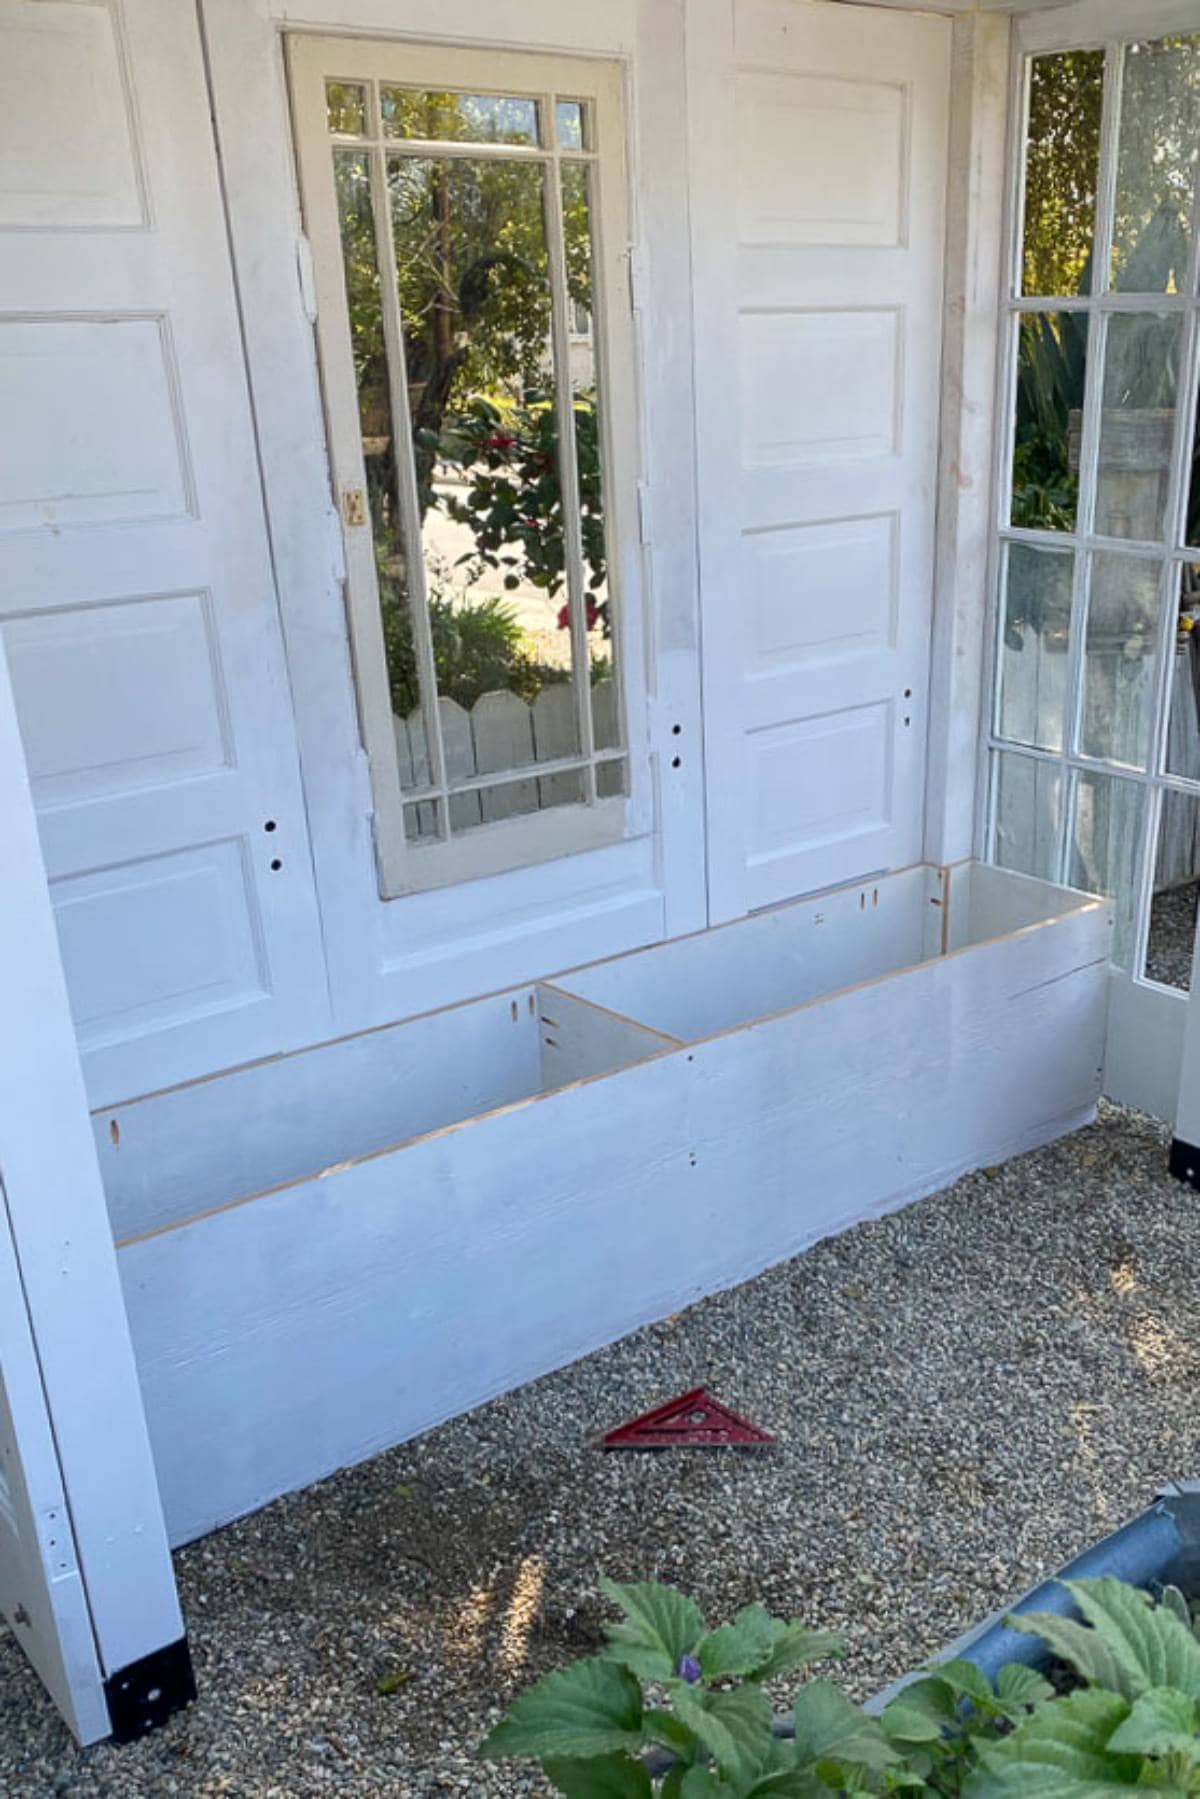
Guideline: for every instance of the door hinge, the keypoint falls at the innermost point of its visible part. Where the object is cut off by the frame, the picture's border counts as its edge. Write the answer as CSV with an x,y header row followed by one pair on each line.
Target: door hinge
x,y
354,507
307,277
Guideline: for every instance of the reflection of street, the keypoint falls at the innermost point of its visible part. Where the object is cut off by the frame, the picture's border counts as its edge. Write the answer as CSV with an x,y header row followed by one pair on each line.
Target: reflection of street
x,y
446,542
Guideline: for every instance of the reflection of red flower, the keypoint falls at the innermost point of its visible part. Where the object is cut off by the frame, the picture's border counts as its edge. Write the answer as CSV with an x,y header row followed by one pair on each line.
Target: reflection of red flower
x,y
500,440
591,612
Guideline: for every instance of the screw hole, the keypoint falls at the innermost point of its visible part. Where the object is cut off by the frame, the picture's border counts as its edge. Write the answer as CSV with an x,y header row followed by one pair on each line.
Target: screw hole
x,y
908,693
270,825
276,864
676,730
676,761
153,1695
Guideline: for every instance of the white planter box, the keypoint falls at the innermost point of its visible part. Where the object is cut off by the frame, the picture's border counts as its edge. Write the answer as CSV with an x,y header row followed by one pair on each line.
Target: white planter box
x,y
328,1252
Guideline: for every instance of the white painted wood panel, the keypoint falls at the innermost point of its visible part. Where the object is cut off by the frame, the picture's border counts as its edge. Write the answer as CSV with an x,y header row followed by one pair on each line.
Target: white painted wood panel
x,y
359,1308
82,1544
388,959
212,1142
137,596
41,1591
817,145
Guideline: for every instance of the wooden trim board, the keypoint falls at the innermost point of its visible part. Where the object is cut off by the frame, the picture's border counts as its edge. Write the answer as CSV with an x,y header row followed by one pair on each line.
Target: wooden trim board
x,y
280,1339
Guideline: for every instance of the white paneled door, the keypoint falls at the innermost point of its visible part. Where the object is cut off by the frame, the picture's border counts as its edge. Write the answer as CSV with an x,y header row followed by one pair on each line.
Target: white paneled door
x,y
136,592
817,138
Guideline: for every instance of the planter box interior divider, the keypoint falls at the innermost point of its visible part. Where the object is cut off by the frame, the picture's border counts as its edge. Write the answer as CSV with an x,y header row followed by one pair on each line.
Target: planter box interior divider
x,y
327,1252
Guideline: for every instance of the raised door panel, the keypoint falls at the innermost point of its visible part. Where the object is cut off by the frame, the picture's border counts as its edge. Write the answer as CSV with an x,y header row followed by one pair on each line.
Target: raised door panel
x,y
818,254
138,606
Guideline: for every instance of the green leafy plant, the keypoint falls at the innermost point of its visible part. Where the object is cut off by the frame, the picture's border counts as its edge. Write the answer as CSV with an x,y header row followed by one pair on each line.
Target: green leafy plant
x,y
675,1709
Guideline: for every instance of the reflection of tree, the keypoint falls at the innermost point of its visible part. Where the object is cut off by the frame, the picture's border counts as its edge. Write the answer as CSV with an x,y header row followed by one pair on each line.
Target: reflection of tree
x,y
1157,158
473,283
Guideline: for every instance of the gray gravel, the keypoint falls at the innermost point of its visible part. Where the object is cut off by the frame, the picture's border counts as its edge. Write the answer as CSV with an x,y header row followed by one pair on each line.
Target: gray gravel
x,y
964,1394
1172,933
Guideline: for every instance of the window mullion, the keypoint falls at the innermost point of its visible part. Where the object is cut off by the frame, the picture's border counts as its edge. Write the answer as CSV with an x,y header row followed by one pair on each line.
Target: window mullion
x,y
406,482
568,463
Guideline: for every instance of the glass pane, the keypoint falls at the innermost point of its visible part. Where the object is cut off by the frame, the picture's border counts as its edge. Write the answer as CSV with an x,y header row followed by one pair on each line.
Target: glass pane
x,y
346,105
1051,374
1062,156
458,118
1183,718
1156,165
357,222
585,388
1176,889
1120,654
515,798
1141,378
474,284
611,780
569,117
1033,653
421,821
1104,848
1028,815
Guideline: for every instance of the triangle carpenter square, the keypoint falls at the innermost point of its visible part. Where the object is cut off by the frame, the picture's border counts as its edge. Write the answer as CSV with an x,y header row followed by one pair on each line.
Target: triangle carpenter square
x,y
693,1421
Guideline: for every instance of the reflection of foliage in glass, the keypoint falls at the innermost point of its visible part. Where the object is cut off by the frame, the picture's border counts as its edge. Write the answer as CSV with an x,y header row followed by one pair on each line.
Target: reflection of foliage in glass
x,y
1051,365
1062,158
1158,146
479,647
461,118
513,502
1156,165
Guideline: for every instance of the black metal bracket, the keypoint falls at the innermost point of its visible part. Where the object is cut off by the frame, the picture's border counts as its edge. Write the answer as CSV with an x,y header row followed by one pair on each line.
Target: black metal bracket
x,y
1184,1162
144,1694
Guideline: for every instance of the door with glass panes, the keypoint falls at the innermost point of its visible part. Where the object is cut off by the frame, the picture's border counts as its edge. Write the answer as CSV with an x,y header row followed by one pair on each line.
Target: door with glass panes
x,y
466,213
1095,731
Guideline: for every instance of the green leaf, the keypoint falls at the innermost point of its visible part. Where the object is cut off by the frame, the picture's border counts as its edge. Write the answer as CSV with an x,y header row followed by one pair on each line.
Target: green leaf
x,y
740,1647
909,1724
829,1727
702,1783
1018,1687
712,1733
604,1777
931,1696
1162,1722
966,1680
1060,1752
1175,1602
661,1626
592,1708
798,1647
669,1731
1148,1639
746,1714
1083,1649
760,1646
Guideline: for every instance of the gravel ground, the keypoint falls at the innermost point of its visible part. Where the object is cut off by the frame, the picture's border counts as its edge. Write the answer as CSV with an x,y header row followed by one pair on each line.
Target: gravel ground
x,y
964,1394
1172,931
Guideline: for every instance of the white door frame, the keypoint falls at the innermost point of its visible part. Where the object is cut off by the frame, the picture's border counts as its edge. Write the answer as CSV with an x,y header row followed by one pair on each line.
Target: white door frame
x,y
389,959
56,1241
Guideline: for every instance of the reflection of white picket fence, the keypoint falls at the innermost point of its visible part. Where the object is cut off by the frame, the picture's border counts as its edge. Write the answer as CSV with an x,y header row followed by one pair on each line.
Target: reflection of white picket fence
x,y
501,732
1117,710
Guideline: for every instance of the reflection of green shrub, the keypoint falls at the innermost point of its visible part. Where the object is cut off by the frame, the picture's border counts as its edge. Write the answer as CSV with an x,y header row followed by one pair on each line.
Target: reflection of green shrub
x,y
513,504
478,647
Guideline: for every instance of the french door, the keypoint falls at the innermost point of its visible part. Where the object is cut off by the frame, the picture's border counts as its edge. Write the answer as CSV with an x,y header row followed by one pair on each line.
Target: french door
x,y
1095,726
